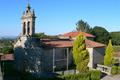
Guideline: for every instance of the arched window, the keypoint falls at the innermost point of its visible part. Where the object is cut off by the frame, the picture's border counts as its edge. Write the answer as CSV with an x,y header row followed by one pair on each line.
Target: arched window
x,y
24,28
28,27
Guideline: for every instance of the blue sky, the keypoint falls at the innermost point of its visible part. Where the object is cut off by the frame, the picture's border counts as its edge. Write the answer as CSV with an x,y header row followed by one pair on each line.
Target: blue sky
x,y
60,16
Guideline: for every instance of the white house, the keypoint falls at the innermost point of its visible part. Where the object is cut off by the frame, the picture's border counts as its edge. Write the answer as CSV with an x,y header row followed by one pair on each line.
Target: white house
x,y
49,55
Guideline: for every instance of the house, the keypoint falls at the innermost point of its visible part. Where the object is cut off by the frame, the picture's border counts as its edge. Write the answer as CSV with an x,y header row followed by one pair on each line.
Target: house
x,y
36,55
61,51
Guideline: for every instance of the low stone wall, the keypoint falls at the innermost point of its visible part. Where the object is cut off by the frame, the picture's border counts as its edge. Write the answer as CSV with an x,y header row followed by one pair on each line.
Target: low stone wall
x,y
73,71
104,69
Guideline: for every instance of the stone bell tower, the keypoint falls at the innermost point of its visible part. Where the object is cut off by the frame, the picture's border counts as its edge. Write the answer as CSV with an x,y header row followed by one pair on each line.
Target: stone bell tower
x,y
28,22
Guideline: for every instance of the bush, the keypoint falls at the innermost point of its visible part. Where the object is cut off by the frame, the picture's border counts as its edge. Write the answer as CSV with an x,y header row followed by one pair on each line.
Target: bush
x,y
118,71
95,75
90,75
81,76
114,70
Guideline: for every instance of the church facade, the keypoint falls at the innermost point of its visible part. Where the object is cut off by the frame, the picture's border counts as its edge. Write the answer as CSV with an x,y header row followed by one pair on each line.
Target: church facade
x,y
49,55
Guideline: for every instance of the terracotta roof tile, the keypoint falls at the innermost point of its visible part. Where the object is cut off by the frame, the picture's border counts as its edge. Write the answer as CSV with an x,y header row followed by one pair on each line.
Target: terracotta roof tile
x,y
7,57
69,43
91,44
76,33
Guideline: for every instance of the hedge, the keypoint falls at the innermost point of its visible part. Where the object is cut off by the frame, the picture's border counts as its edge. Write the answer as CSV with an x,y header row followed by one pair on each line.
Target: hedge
x,y
114,70
118,70
90,75
95,75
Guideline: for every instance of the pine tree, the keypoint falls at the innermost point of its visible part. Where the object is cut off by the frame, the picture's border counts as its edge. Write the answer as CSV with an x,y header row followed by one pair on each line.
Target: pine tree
x,y
108,58
80,54
83,26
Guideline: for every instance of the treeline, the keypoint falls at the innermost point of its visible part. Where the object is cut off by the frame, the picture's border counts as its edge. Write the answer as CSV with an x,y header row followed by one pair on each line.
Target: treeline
x,y
100,33
6,45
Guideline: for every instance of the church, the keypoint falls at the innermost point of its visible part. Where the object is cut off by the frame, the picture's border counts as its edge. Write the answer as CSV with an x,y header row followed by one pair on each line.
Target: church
x,y
37,55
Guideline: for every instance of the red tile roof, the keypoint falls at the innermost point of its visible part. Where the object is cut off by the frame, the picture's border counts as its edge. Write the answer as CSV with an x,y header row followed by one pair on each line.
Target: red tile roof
x,y
91,44
58,43
69,43
7,57
76,33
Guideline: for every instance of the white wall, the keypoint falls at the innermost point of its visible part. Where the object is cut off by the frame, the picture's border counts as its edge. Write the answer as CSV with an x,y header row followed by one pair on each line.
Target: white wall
x,y
90,64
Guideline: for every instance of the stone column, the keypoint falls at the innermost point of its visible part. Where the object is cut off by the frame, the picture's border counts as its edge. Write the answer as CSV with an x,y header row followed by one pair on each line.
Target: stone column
x,y
53,59
67,58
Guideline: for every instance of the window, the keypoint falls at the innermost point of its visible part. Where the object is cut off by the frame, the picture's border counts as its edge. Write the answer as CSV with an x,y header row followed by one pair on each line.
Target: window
x,y
28,25
24,28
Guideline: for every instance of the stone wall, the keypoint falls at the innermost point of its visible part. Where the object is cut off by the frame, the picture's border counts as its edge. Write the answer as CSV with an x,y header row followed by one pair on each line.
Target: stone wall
x,y
28,55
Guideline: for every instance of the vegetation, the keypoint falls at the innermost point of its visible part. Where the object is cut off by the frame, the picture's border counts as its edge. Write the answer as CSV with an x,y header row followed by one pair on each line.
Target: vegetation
x,y
108,58
43,36
83,26
114,70
81,76
90,75
7,50
116,48
115,36
95,75
6,45
118,71
101,34
80,54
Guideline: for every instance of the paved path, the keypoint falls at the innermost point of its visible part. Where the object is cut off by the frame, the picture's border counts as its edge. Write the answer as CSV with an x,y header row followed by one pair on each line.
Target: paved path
x,y
110,77
1,76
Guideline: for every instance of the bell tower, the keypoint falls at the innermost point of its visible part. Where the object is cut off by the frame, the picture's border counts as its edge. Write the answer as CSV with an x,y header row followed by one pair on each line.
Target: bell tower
x,y
28,22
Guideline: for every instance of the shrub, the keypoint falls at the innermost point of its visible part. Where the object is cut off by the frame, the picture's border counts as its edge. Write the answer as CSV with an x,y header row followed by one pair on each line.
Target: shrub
x,y
80,54
81,76
114,70
95,75
118,71
108,58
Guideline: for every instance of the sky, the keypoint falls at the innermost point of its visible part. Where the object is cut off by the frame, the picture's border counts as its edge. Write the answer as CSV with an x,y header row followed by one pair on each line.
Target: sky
x,y
59,16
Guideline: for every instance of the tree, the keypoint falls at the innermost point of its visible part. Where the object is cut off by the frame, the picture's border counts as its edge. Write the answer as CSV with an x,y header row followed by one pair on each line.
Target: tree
x,y
115,36
108,58
43,36
83,26
80,54
7,50
101,34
